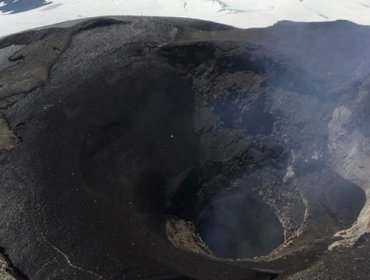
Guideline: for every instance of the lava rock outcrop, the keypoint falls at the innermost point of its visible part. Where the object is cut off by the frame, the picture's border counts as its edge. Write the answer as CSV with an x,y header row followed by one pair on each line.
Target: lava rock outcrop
x,y
157,148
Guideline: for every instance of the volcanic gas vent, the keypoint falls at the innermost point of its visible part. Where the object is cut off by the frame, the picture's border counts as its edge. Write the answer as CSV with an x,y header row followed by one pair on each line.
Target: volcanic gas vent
x,y
261,186
224,217
240,226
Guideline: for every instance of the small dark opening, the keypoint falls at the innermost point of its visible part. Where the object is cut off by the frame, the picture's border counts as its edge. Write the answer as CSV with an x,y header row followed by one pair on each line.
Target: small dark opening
x,y
240,226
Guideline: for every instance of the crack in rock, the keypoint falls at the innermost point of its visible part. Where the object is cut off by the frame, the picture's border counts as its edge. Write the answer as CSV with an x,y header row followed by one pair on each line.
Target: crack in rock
x,y
68,260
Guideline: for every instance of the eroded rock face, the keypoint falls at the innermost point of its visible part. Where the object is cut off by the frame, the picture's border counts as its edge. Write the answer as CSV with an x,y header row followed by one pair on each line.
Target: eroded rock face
x,y
7,271
158,148
8,140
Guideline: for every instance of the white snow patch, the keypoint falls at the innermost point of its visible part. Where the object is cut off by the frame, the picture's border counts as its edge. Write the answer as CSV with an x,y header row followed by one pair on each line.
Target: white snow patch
x,y
239,13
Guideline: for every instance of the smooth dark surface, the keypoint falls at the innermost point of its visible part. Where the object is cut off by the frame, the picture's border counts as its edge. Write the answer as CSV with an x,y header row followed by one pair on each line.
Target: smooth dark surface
x,y
239,226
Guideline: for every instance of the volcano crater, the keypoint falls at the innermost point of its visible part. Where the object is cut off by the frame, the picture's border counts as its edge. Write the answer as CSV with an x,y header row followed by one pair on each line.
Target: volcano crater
x,y
180,150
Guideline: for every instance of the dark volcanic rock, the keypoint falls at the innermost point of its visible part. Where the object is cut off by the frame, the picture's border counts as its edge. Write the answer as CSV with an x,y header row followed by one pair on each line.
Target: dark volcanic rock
x,y
156,148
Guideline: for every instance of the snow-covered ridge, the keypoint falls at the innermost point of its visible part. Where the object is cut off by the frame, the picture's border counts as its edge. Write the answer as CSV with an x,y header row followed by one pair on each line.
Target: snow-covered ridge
x,y
19,15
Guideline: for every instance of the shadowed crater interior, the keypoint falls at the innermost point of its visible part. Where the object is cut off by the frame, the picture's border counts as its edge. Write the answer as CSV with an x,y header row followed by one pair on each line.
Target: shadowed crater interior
x,y
240,226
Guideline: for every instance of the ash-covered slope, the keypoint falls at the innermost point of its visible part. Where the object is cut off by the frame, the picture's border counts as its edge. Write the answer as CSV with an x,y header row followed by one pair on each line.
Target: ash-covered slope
x,y
156,148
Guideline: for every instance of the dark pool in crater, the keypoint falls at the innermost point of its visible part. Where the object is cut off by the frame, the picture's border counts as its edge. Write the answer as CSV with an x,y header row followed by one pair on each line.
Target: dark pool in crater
x,y
240,226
